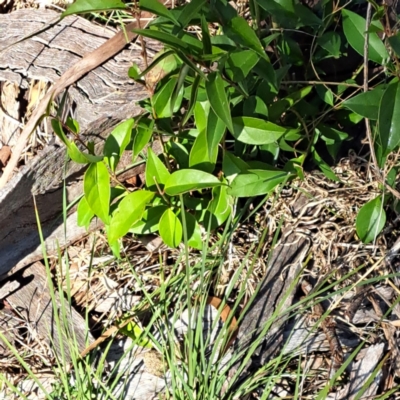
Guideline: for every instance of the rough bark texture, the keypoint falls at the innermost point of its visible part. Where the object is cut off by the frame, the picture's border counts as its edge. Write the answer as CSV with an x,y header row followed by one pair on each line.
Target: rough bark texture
x,y
44,57
33,301
48,55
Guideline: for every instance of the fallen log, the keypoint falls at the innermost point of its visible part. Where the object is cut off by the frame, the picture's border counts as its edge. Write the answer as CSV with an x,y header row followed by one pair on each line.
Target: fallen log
x,y
44,175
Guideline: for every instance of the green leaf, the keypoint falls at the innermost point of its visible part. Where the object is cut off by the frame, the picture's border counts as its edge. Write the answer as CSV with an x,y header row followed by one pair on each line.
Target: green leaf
x,y
133,330
144,131
277,108
74,153
129,210
232,165
170,229
193,231
162,99
195,47
73,125
87,6
204,152
201,111
366,104
333,138
190,11
79,157
192,101
240,63
257,131
324,167
85,213
354,30
325,94
117,141
186,180
255,106
256,182
219,208
389,118
217,97
149,222
134,72
239,30
96,184
394,42
331,42
155,7
370,220
156,172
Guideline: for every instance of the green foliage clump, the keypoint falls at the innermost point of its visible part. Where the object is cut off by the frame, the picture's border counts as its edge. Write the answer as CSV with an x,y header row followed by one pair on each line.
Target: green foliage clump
x,y
242,103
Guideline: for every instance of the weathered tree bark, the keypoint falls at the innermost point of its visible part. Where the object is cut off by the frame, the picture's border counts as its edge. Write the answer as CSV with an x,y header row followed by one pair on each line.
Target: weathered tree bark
x,y
43,176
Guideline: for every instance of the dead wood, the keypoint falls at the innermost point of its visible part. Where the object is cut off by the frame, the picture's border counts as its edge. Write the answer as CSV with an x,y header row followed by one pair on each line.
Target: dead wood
x,y
276,292
89,62
33,302
43,176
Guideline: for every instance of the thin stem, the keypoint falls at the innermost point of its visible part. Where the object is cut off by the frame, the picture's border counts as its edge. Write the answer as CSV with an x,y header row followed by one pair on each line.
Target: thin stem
x,y
365,86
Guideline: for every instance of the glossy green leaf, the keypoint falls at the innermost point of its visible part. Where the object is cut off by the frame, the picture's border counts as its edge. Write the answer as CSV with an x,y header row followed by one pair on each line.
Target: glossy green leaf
x,y
85,213
134,72
277,108
190,11
170,229
178,92
256,182
186,180
333,138
366,104
96,184
157,8
179,153
129,210
257,131
87,6
117,141
74,153
331,42
219,208
156,172
389,118
218,99
193,231
370,220
240,31
240,63
394,42
201,111
144,131
73,124
232,165
325,94
254,106
324,167
80,157
192,101
149,222
204,152
354,30
205,35
162,99
133,330
195,47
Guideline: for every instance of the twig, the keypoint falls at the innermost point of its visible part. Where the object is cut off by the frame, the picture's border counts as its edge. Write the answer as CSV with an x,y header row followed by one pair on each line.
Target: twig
x,y
367,124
